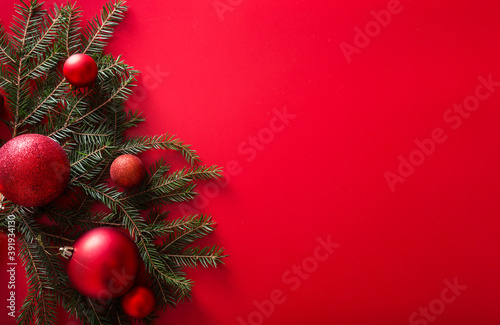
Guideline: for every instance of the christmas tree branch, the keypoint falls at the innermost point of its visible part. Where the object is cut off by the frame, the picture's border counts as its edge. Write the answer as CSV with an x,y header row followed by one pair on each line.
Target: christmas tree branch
x,y
42,66
38,303
48,35
70,33
97,317
100,30
122,91
165,141
5,47
206,256
91,126
57,91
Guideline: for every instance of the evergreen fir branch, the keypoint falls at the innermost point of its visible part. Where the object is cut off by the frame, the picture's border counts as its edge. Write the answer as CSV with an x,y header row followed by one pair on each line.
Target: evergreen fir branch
x,y
165,141
155,230
180,286
161,228
98,135
52,267
132,119
132,220
117,315
43,64
93,175
27,24
75,304
95,313
4,80
100,29
91,124
26,224
71,302
69,35
49,26
206,256
110,67
25,27
162,292
49,94
21,100
89,159
110,197
85,218
182,194
176,187
38,304
121,93
102,193
6,55
73,107
155,217
197,227
157,170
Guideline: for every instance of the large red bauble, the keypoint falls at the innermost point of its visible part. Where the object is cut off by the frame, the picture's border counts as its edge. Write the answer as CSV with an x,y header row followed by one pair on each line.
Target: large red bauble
x,y
127,171
138,302
104,264
80,70
34,170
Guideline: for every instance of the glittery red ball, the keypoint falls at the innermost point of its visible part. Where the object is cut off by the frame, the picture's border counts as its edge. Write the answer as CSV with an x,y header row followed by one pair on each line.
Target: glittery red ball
x,y
127,171
138,302
80,70
104,264
34,170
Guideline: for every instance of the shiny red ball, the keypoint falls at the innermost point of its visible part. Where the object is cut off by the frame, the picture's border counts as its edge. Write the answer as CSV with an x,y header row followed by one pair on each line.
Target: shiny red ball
x,y
127,171
80,70
138,302
34,170
2,102
104,264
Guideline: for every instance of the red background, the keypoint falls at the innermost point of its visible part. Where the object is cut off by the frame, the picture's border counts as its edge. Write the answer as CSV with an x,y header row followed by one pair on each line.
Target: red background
x,y
323,174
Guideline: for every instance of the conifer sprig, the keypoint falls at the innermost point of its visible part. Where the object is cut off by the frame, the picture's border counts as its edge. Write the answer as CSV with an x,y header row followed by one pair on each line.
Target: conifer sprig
x,y
91,125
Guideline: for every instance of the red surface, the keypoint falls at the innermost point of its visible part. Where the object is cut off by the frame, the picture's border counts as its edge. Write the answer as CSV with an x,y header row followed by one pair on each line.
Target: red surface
x,y
321,176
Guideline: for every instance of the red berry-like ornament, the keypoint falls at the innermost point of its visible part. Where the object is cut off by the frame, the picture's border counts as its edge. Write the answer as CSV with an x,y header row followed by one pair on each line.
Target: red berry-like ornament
x,y
138,302
127,171
34,170
80,70
104,263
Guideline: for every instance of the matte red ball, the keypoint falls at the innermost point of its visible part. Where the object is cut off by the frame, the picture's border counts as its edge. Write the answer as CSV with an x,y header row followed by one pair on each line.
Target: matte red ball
x,y
80,70
104,264
127,171
138,302
34,170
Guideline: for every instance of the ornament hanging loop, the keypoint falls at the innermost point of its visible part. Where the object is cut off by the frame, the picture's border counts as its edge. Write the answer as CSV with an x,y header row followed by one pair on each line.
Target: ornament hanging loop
x,y
66,251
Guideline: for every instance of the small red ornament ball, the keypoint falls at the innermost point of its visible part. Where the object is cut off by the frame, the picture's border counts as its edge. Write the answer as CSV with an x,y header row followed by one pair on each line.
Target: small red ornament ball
x,y
2,102
34,170
80,70
104,264
138,302
127,171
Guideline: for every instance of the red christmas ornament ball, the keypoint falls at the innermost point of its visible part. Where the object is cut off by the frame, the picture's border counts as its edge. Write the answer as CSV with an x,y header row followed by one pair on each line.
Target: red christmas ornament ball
x,y
80,70
104,264
127,171
138,302
34,170
2,102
